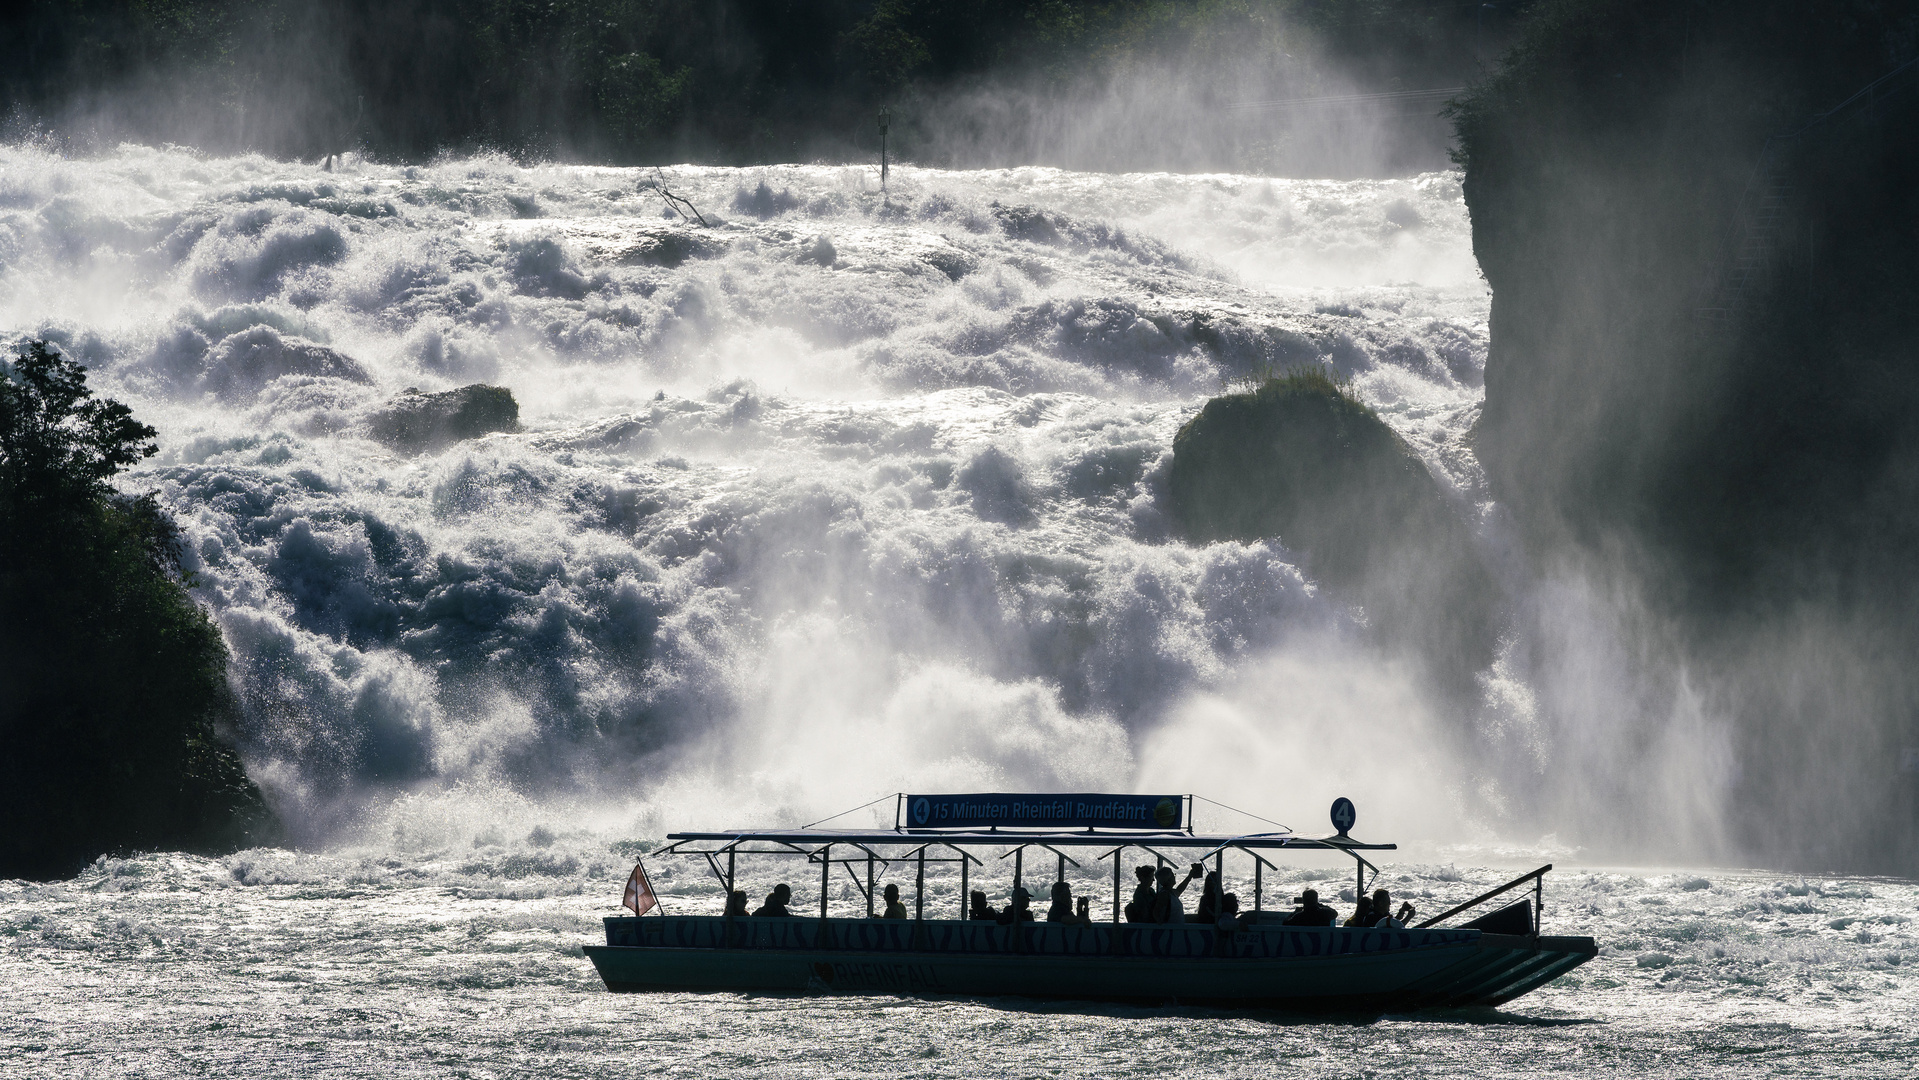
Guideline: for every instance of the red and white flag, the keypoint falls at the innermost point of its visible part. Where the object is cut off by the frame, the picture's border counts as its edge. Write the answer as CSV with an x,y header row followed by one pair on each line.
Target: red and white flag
x,y
639,892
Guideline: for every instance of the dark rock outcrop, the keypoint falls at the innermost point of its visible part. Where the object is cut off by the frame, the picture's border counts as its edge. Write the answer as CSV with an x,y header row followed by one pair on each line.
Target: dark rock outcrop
x,y
1299,461
417,422
1738,456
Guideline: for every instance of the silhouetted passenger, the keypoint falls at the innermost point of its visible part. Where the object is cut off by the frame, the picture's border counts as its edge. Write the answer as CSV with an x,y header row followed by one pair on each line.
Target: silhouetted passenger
x,y
1382,907
1062,910
736,903
1362,913
1228,917
1209,898
1018,908
1141,908
776,902
981,910
1166,905
1310,912
894,909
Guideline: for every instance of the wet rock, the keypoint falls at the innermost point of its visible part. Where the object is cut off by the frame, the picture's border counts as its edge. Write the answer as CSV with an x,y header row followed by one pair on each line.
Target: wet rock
x,y
669,249
416,422
820,251
952,262
763,202
244,363
1300,462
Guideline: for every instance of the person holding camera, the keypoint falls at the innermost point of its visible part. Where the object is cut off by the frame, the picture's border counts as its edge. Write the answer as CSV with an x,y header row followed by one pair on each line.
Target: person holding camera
x,y
1308,911
1166,905
1383,906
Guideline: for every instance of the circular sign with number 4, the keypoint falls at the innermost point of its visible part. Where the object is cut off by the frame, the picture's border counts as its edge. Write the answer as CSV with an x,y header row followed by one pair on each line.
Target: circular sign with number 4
x,y
1344,815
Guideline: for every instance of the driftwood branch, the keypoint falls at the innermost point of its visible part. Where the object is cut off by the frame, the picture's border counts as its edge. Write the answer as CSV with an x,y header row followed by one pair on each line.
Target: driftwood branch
x,y
679,204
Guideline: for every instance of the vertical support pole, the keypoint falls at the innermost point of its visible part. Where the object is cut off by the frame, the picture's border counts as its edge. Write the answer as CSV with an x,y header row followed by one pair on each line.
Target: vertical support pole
x,y
1019,855
885,118
966,894
826,870
726,931
1258,866
869,884
1359,889
1539,903
1062,868
919,890
1116,852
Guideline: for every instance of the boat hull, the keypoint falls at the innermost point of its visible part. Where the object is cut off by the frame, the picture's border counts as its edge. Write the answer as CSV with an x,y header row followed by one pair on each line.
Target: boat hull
x,y
1286,967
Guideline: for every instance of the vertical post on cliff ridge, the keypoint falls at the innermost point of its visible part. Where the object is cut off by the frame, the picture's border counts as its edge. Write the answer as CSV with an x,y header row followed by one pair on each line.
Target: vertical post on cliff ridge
x,y
885,119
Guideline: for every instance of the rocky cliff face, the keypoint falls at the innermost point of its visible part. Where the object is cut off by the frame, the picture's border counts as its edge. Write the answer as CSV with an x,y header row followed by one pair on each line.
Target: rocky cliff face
x,y
1742,462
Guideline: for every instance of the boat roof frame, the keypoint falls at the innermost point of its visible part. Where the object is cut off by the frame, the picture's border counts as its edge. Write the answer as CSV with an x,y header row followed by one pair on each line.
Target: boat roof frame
x,y
813,842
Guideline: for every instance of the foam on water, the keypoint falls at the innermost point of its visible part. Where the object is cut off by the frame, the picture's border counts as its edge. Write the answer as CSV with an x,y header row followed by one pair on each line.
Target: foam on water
x,y
467,961
848,492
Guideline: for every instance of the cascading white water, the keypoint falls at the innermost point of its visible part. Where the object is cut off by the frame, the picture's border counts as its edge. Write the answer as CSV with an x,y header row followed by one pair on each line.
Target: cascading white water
x,y
851,490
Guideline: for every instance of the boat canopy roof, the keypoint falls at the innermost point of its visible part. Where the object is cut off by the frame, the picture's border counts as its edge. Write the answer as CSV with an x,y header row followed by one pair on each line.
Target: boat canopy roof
x,y
1024,820
810,839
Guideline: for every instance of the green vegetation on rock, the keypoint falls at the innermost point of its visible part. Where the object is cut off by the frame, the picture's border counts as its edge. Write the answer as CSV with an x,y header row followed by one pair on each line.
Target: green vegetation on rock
x,y
1299,461
113,691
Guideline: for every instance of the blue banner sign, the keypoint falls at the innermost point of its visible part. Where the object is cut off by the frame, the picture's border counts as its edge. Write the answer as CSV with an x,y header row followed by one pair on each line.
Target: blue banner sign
x,y
985,811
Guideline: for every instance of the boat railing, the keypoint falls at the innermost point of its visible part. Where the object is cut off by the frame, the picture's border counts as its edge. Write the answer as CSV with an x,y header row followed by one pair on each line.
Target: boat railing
x,y
1537,877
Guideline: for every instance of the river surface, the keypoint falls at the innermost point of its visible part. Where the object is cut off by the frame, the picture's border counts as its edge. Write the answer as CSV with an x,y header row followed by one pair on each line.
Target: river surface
x,y
277,964
833,492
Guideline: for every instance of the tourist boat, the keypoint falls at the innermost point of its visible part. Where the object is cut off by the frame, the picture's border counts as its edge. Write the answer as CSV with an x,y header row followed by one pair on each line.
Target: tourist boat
x,y
1258,960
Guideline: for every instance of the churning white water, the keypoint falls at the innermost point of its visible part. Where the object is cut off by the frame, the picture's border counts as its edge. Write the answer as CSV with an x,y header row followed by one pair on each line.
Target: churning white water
x,y
850,491
844,492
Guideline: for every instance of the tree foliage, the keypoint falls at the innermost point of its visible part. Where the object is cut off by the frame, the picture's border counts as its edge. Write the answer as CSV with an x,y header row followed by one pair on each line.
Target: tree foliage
x,y
647,80
56,438
113,693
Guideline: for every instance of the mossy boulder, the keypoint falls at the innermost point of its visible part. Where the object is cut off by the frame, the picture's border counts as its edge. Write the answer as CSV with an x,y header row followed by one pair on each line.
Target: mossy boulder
x,y
417,422
1299,461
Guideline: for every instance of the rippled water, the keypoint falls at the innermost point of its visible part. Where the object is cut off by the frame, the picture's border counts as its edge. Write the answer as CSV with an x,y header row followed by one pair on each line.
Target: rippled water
x,y
267,963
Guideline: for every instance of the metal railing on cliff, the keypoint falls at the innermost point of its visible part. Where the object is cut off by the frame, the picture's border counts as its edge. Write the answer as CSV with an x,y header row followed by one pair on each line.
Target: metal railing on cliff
x,y
1760,217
